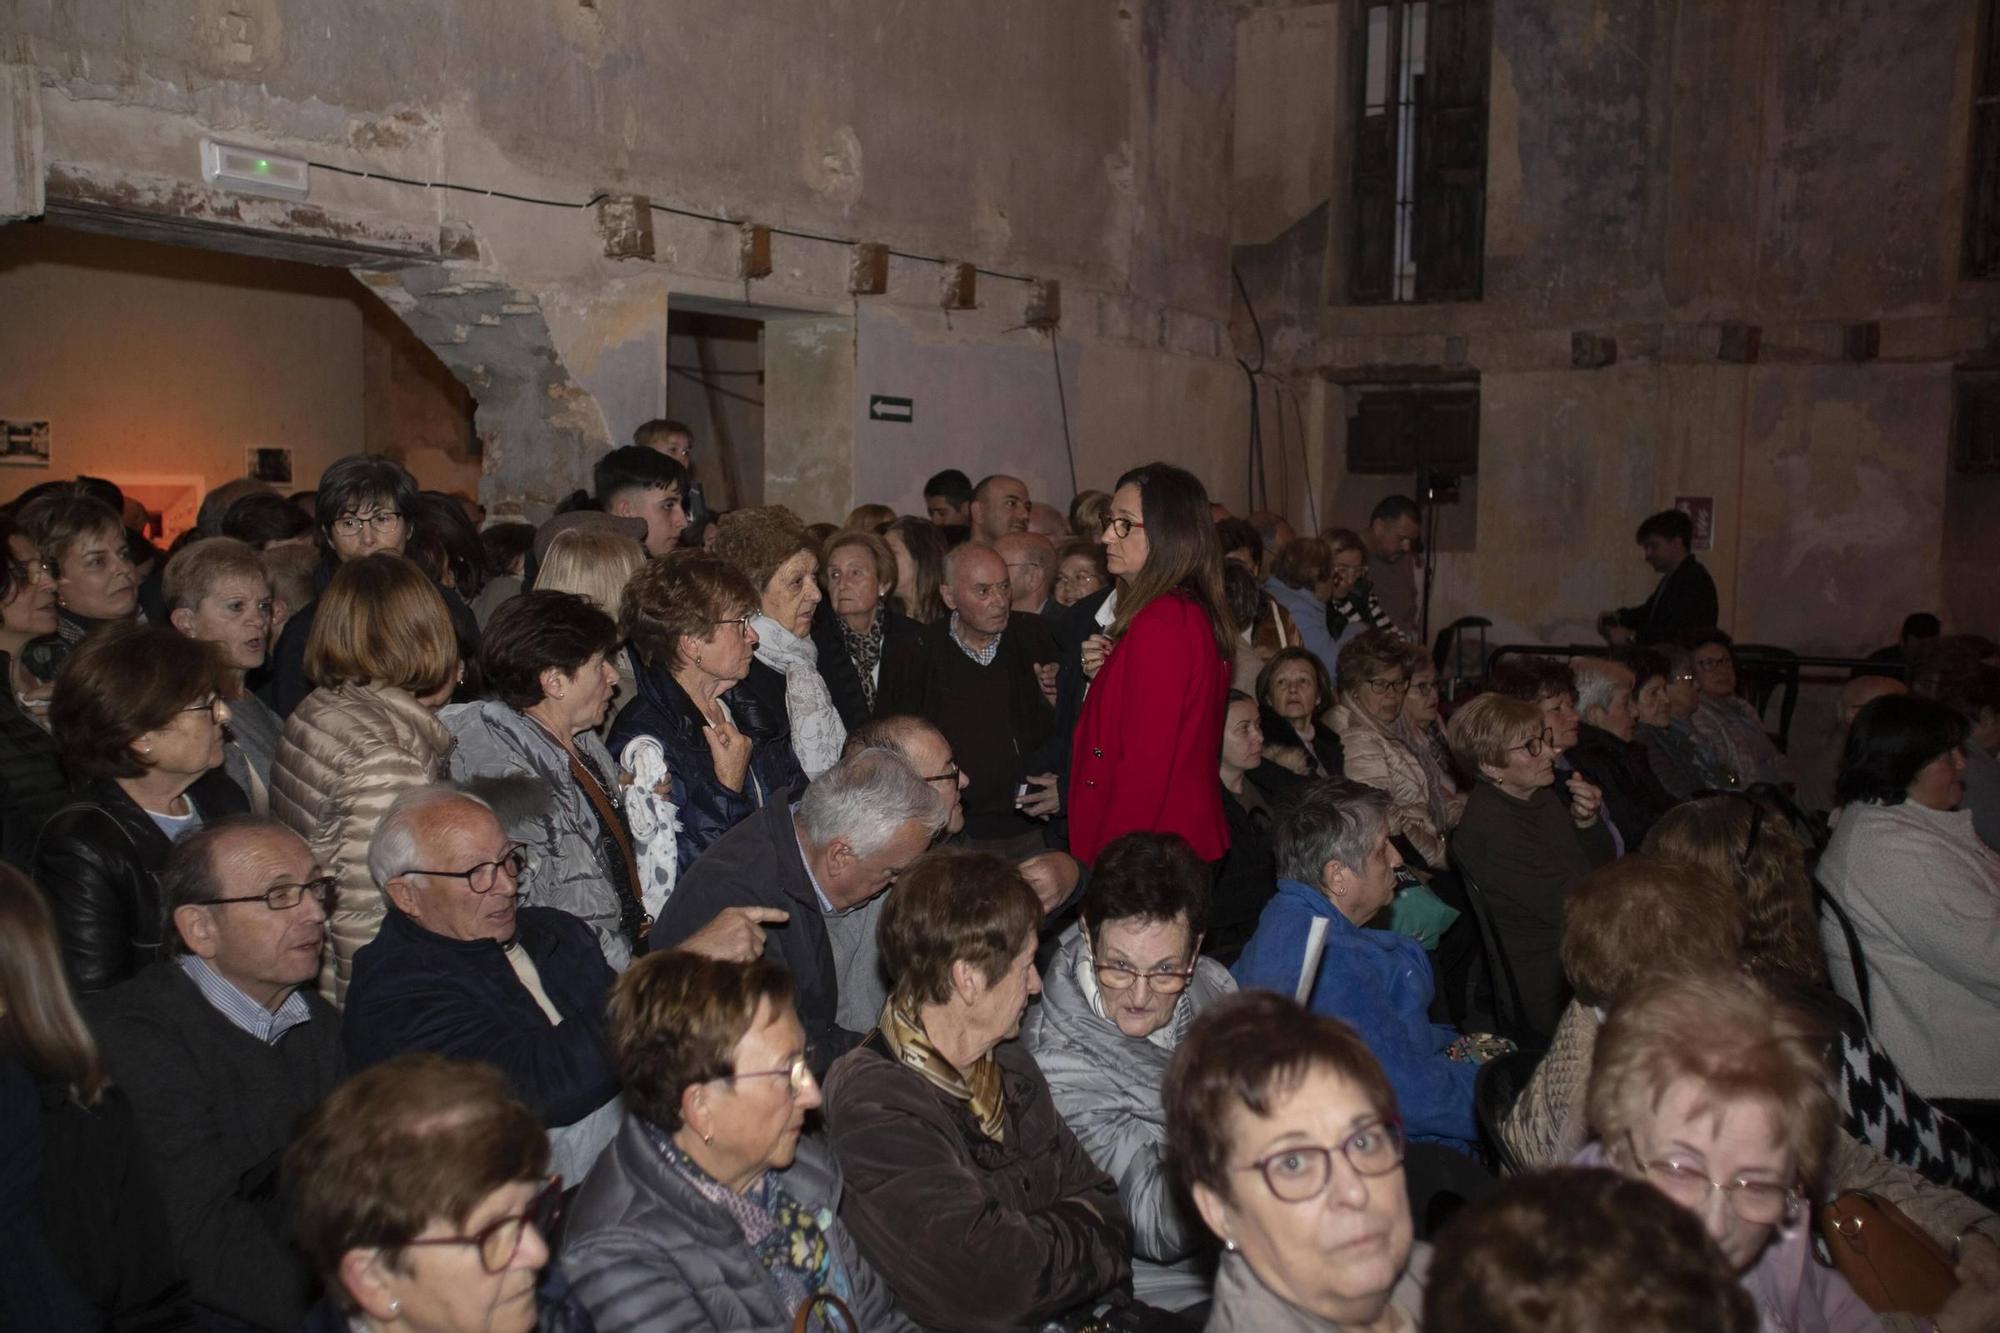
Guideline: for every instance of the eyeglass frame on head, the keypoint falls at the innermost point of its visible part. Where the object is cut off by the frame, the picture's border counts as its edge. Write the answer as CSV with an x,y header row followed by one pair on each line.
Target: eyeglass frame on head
x,y
799,1071
1665,1168
350,525
321,887
1392,1124
544,1209
516,852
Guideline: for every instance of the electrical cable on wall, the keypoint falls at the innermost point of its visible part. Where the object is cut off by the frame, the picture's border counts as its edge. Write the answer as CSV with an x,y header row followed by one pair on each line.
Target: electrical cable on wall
x,y
1305,460
1253,462
1062,401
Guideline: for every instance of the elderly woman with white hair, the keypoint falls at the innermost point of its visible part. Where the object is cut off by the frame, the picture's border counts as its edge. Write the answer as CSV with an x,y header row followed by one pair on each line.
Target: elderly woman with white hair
x,y
1606,751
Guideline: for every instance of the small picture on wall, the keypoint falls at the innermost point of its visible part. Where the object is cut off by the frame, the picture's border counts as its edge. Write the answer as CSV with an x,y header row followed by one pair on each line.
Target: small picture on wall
x,y
24,443
272,465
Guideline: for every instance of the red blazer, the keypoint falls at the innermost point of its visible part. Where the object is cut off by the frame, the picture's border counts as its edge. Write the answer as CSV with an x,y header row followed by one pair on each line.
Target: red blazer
x,y
1149,742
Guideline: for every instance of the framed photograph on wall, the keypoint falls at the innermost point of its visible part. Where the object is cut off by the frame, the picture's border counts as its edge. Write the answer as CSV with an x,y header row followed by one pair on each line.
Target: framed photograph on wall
x,y
24,443
272,465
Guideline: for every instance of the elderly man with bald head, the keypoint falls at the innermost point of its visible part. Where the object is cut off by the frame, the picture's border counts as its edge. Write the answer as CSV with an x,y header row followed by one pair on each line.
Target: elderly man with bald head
x,y
1031,572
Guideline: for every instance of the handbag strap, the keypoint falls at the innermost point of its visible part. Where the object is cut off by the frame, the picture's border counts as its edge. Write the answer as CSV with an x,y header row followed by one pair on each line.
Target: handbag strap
x,y
607,815
802,1321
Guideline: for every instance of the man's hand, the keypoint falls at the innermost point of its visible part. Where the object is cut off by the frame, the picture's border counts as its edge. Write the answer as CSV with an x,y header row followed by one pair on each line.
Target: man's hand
x,y
1095,649
736,935
730,749
1043,803
1584,801
1046,673
1052,875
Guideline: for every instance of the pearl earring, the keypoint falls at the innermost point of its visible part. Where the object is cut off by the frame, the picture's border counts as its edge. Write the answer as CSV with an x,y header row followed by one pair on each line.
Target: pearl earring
x,y
395,1307
1229,1245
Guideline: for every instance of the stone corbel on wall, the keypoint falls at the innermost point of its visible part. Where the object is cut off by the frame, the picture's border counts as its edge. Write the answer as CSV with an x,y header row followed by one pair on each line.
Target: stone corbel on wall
x,y
21,167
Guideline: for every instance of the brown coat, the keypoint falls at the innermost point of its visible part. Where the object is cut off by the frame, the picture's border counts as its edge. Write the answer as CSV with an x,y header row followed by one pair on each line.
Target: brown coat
x,y
347,754
971,1235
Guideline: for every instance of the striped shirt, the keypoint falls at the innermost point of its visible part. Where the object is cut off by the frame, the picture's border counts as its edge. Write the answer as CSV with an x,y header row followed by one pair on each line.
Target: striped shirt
x,y
240,1009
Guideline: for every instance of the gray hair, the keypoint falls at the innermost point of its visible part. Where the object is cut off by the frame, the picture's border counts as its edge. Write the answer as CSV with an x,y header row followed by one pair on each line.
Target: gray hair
x,y
865,799
393,850
1597,683
951,557
1333,820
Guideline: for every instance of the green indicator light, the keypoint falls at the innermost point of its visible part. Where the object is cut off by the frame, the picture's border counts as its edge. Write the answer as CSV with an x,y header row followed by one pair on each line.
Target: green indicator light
x,y
263,167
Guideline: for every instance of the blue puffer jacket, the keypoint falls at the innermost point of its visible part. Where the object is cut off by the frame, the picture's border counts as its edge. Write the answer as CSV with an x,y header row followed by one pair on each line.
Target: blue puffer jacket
x,y
1380,984
707,809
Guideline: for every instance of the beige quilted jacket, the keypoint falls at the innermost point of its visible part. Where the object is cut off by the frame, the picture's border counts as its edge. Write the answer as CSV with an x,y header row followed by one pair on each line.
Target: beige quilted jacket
x,y
1371,756
346,755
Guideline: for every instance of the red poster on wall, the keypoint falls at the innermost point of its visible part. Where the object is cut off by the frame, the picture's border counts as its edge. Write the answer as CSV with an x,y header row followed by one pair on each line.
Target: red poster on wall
x,y
1700,508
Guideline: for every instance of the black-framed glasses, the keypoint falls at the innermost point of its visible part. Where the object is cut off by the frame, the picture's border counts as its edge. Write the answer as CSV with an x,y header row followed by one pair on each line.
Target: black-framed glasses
x,y
1761,1202
1122,527
1296,1175
349,525
950,774
500,1240
1534,745
742,624
799,1071
1385,685
284,897
485,877
208,705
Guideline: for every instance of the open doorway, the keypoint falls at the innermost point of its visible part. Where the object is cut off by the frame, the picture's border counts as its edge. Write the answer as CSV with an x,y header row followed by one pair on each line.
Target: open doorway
x,y
715,384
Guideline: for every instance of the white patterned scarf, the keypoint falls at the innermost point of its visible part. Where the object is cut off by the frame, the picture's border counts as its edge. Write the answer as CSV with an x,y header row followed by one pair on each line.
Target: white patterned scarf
x,y
817,731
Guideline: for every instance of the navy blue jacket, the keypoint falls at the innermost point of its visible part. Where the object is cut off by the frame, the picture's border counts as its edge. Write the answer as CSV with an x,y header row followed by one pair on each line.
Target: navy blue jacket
x,y
662,710
418,991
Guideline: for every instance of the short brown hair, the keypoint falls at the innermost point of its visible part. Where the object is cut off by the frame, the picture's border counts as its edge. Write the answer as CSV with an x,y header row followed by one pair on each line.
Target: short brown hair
x,y
533,631
54,522
1639,917
291,570
121,682
590,562
759,539
878,551
1370,653
1534,679
869,517
1295,654
1485,727
381,621
955,906
1343,539
680,596
1303,562
1579,1250
414,1140
1248,1051
193,571
1753,848
675,1020
1730,1034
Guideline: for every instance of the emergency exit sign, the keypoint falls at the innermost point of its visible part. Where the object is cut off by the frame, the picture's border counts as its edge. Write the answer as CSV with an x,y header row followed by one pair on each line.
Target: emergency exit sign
x,y
881,407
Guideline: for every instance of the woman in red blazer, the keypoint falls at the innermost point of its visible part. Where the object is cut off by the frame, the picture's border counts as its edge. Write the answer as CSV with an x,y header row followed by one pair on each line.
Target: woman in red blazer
x,y
1151,730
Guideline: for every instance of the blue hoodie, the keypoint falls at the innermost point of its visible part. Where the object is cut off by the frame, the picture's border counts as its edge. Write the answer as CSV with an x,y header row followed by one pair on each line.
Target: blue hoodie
x,y
1380,984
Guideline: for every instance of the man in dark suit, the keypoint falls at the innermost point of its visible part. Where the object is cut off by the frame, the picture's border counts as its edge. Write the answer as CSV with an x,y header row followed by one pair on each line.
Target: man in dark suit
x,y
1683,601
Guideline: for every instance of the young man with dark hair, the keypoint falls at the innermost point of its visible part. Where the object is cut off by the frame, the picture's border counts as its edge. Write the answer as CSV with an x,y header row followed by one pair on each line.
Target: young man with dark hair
x,y
1683,601
1395,530
946,496
644,483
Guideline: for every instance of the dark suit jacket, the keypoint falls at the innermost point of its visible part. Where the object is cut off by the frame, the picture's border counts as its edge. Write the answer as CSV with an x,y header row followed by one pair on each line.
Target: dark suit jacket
x,y
1683,602
837,669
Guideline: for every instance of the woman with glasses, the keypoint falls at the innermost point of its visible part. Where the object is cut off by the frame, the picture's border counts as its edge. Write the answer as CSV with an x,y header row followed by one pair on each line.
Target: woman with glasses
x,y
88,552
965,1189
1716,1092
720,757
1295,692
1125,986
1420,723
1080,570
546,657
710,1209
420,1196
858,624
1284,1131
1351,607
1381,749
1725,724
1151,722
138,719
386,658
1523,844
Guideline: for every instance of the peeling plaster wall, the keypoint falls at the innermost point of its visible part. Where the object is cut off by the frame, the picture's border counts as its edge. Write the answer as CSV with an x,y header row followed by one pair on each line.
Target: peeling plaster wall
x,y
1656,168
1088,143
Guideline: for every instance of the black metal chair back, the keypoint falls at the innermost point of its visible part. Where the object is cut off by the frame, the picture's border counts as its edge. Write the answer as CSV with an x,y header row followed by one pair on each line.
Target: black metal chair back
x,y
1510,1011
1829,906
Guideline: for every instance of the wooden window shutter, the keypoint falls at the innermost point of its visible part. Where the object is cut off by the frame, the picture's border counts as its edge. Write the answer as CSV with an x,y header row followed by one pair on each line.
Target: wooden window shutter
x,y
1982,186
1371,259
1450,228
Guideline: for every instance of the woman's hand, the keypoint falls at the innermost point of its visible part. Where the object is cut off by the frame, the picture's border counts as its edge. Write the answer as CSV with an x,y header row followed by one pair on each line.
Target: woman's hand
x,y
1095,649
1975,1306
1584,801
730,749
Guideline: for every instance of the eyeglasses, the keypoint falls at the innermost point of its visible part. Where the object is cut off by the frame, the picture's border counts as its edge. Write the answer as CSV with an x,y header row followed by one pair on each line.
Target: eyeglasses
x,y
1296,1175
1534,745
1086,578
1763,1202
1711,664
799,1071
1116,976
1383,685
1424,686
485,877
500,1240
348,525
1347,571
1121,527
742,624
950,775
284,897
1687,676
208,705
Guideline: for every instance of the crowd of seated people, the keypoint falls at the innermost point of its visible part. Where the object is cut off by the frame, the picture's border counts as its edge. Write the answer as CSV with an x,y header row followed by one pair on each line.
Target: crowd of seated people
x,y
1001,918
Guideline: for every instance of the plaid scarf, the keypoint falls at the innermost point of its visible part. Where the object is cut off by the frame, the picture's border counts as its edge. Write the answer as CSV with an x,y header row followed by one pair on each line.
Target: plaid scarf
x,y
978,1087
866,651
787,1238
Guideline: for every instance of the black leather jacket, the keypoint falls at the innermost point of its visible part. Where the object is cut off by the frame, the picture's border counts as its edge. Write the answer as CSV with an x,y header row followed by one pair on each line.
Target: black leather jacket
x,y
99,857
